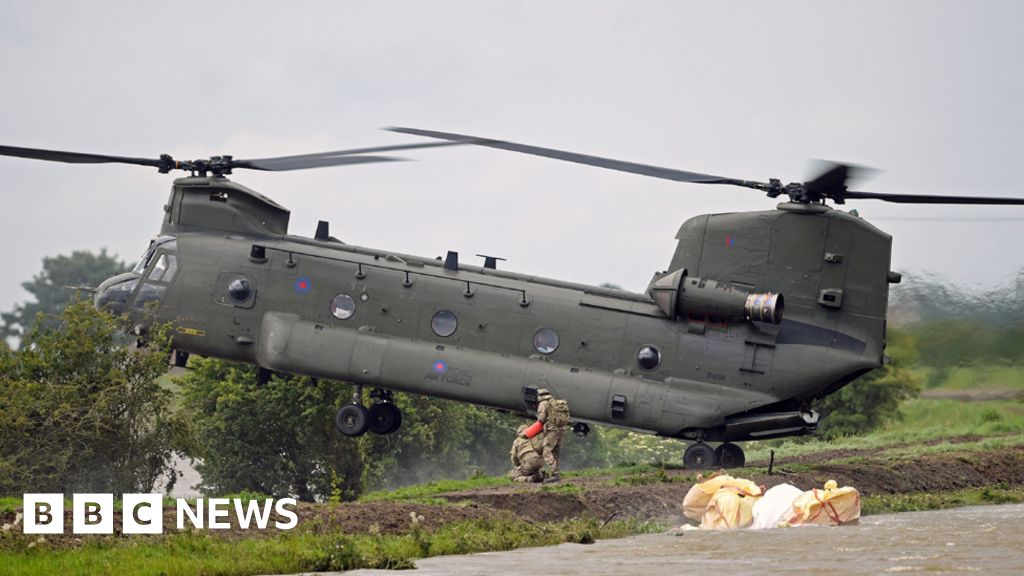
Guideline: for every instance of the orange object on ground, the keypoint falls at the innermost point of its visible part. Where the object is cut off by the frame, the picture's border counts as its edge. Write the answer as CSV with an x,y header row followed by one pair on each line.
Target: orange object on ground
x,y
534,429
829,507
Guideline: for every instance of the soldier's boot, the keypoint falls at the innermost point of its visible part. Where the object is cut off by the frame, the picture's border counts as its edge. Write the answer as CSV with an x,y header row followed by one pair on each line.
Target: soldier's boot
x,y
554,477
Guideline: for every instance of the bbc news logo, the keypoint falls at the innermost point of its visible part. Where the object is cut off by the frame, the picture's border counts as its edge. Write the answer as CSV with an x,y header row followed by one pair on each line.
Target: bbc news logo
x,y
144,513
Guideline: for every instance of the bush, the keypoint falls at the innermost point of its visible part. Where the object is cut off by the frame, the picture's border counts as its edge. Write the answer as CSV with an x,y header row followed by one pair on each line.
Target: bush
x,y
81,413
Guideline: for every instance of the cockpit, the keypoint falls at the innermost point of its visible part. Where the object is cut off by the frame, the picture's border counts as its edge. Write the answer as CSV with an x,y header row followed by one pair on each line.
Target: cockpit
x,y
144,287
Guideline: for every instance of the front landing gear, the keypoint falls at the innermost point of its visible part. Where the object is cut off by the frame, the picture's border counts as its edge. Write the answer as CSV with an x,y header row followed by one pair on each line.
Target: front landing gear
x,y
382,417
352,420
700,456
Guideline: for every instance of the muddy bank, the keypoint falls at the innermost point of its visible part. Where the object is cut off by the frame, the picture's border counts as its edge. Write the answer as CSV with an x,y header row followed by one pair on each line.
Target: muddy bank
x,y
648,495
659,495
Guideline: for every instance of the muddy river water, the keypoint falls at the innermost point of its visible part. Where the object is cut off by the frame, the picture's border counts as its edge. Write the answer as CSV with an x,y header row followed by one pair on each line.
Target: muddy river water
x,y
982,540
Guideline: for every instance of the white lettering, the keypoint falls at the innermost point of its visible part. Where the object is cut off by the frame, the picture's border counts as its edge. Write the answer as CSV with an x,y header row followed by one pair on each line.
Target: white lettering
x,y
185,510
144,513
252,509
216,512
280,508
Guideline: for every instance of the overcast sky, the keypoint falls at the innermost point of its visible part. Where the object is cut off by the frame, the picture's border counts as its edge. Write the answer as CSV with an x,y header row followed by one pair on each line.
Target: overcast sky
x,y
928,92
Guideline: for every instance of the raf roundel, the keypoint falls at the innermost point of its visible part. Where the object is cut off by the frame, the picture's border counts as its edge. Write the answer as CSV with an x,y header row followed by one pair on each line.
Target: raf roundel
x,y
303,285
440,367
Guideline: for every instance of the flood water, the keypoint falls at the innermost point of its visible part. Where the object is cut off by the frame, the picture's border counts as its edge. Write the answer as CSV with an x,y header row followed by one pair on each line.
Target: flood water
x,y
982,539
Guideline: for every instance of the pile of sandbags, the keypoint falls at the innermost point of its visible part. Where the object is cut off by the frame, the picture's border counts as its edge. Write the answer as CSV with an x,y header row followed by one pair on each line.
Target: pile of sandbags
x,y
723,502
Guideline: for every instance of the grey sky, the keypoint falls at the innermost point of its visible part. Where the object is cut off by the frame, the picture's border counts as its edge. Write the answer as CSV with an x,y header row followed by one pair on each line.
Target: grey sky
x,y
928,92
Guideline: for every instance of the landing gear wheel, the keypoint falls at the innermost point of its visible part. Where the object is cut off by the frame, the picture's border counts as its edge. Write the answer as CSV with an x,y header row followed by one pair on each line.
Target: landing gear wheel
x,y
385,418
699,456
352,420
730,456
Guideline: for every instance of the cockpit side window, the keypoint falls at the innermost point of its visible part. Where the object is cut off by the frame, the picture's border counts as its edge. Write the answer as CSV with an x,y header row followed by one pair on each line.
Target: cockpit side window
x,y
148,294
172,268
159,269
144,261
167,244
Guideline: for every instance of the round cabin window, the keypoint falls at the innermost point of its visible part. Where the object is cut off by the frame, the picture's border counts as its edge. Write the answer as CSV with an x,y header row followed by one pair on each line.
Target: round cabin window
x,y
239,289
545,340
444,323
343,307
648,357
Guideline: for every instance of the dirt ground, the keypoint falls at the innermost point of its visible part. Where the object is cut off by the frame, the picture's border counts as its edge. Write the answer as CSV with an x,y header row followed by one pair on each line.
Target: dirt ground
x,y
648,496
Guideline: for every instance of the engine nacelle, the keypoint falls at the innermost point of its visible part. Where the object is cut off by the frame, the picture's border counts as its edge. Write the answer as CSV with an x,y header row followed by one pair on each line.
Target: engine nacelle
x,y
677,294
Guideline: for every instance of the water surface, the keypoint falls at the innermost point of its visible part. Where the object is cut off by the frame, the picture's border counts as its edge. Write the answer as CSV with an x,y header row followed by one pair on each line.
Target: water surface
x,y
981,539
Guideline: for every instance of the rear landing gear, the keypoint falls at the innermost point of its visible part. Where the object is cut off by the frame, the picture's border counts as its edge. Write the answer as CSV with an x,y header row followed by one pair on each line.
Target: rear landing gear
x,y
385,418
700,456
382,417
730,455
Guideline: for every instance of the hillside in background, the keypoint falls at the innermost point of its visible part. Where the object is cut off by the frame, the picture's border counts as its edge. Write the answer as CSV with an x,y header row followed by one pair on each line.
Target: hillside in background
x,y
923,298
965,339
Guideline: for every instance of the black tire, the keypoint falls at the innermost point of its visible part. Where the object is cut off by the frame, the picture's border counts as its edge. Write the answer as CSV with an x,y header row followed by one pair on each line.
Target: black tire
x,y
730,456
699,456
385,418
352,420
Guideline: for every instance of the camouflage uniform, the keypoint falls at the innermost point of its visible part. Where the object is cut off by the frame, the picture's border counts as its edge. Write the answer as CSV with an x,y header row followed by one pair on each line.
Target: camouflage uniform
x,y
526,457
554,432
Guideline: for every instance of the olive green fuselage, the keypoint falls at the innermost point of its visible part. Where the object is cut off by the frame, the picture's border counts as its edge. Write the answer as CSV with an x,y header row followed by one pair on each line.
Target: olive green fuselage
x,y
831,267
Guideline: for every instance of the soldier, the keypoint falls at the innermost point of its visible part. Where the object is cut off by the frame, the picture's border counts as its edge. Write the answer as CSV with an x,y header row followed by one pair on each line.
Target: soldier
x,y
554,414
526,457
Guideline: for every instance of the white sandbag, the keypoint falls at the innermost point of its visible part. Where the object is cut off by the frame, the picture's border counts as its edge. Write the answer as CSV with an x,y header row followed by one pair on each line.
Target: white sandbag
x,y
775,506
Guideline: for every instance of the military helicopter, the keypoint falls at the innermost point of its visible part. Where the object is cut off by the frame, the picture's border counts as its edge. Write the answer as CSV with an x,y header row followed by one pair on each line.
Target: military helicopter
x,y
757,315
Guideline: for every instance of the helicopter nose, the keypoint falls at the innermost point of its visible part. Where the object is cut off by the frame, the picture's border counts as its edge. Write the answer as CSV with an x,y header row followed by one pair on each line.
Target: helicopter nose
x,y
112,294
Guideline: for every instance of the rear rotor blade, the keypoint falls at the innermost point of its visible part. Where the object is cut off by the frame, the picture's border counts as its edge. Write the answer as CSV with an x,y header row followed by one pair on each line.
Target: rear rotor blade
x,y
611,164
932,199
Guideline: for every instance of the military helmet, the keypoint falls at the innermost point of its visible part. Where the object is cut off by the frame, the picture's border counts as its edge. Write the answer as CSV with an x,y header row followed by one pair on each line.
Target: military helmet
x,y
543,394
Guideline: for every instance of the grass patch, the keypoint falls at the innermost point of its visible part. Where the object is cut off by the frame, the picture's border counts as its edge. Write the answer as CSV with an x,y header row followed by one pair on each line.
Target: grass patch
x,y
626,468
562,488
9,504
432,489
658,475
201,553
925,420
919,501
991,377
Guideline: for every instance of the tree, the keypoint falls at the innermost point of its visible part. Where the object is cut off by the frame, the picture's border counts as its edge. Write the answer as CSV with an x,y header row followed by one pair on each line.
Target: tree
x,y
275,438
80,413
872,400
81,268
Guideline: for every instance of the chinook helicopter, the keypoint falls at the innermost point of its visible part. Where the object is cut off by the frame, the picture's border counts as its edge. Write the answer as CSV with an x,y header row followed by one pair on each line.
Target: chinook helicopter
x,y
757,315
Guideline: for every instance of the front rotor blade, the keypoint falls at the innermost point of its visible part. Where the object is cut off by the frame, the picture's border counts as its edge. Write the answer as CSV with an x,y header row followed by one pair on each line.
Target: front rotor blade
x,y
620,165
74,157
932,199
285,163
